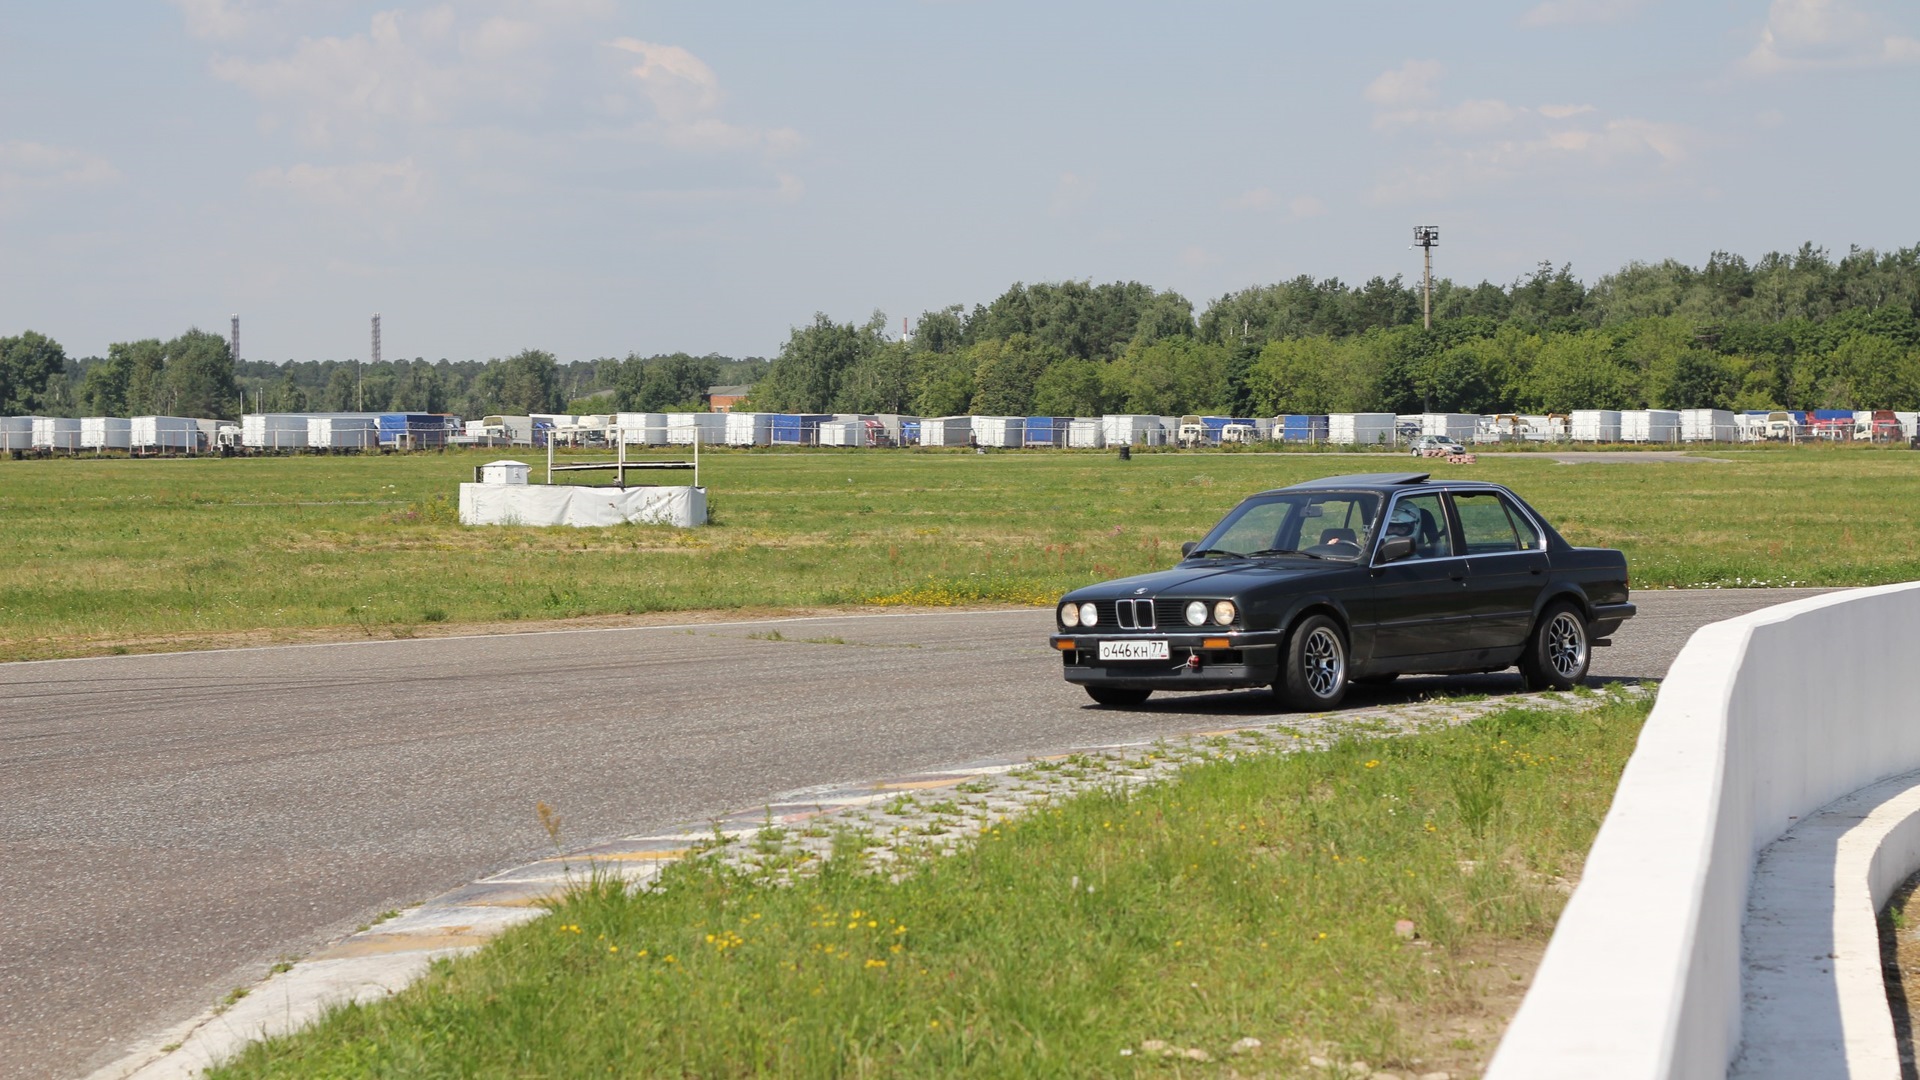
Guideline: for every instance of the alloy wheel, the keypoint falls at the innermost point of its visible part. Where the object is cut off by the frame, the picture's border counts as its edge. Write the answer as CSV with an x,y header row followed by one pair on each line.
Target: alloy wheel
x,y
1567,645
1324,661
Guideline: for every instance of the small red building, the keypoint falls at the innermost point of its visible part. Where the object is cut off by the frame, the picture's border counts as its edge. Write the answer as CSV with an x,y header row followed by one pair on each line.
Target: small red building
x,y
724,398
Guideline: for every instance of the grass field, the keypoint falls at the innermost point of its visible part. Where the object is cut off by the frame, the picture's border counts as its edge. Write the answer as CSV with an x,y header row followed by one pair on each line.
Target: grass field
x,y
116,555
1248,899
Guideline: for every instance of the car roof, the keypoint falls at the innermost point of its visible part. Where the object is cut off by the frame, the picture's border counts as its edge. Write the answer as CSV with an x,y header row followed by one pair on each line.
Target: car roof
x,y
1377,479
1384,482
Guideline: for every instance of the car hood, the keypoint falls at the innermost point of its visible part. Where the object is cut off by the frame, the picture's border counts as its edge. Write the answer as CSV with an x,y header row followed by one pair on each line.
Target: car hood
x,y
1214,579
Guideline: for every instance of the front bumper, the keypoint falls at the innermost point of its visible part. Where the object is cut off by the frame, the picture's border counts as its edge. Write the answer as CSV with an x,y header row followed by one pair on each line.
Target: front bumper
x,y
1249,660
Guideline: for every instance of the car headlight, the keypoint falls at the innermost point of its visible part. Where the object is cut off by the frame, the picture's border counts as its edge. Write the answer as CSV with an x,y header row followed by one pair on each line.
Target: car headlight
x,y
1070,614
1223,612
1088,617
1196,613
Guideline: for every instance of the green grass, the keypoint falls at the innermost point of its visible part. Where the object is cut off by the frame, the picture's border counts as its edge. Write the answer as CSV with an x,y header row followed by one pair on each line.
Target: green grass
x,y
1247,899
115,555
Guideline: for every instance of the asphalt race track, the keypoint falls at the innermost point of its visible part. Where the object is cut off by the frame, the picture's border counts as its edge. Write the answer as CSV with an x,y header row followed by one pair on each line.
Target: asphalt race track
x,y
174,824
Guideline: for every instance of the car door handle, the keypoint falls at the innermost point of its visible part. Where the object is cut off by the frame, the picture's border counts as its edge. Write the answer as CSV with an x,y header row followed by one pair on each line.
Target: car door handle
x,y
1461,576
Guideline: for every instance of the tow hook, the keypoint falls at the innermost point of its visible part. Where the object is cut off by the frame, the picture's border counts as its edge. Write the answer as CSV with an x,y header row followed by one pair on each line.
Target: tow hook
x,y
1193,662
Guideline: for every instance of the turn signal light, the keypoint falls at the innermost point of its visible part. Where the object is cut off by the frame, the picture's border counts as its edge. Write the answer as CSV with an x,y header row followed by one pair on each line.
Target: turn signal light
x,y
1065,646
1216,643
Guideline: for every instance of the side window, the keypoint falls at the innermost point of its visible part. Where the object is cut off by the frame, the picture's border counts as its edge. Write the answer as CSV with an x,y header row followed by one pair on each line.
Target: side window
x,y
1484,525
1423,518
1529,536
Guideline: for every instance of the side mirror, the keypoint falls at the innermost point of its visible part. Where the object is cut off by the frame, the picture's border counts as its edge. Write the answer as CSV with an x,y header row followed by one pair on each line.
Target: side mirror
x,y
1395,548
1186,549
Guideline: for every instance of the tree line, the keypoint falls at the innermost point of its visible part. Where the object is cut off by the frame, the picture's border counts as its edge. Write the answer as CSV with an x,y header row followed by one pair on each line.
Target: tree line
x,y
1789,330
195,375
1801,330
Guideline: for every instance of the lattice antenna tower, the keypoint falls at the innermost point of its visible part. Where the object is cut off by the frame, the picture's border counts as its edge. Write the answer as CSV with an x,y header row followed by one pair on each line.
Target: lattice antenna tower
x,y
376,337
233,342
1426,237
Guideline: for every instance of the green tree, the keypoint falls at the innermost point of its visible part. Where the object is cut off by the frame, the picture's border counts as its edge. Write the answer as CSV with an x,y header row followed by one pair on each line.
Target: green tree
x,y
27,362
674,382
1077,318
342,393
1297,375
1699,380
417,388
806,376
287,395
1005,372
56,397
1070,387
1171,377
940,331
146,364
529,383
199,377
1577,371
879,382
1879,374
943,384
103,389
377,385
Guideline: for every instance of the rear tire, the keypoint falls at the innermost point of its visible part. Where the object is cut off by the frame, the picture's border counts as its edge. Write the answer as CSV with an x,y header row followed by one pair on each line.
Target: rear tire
x,y
1558,653
1315,676
1116,697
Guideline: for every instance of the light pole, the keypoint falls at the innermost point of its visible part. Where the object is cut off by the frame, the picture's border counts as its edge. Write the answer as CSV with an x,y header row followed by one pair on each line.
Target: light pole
x,y
1426,237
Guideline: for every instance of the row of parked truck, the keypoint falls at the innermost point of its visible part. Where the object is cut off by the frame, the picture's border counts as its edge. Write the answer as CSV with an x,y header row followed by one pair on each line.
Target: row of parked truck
x,y
324,432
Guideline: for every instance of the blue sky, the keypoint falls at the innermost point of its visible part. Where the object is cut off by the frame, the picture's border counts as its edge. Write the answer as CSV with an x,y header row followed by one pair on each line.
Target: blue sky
x,y
593,177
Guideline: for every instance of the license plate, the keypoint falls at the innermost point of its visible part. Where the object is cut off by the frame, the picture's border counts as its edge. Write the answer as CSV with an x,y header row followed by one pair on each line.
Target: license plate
x,y
1133,650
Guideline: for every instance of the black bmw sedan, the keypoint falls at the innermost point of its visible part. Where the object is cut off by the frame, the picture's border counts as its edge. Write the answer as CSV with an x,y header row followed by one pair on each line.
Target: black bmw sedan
x,y
1350,579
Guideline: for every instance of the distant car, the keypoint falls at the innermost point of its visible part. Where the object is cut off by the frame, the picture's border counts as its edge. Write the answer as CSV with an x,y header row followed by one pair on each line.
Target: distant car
x,y
1424,444
1351,578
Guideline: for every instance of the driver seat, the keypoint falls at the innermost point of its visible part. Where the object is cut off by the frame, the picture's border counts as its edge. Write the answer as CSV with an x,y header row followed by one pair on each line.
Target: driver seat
x,y
1429,536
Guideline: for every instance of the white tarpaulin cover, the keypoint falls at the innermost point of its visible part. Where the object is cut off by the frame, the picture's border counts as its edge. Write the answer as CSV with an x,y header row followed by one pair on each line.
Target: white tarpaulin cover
x,y
560,504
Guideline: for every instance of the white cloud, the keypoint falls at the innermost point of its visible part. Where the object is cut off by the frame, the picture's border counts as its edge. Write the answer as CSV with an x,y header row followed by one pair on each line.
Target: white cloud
x,y
1486,144
1409,84
680,85
1612,154
407,70
222,20
1813,35
1574,12
32,168
1462,119
685,97
1262,199
1253,199
375,184
1071,194
497,95
1306,206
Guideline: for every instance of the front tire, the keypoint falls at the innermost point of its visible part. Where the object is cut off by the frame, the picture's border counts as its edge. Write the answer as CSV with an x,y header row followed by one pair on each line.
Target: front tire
x,y
1558,653
1315,678
1114,696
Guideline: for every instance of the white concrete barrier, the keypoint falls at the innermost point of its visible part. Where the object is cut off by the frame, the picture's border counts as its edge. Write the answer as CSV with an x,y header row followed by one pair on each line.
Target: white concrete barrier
x,y
1762,720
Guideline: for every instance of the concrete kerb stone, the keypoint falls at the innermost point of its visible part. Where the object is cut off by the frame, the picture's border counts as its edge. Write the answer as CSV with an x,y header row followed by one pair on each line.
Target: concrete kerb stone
x,y
1815,996
931,812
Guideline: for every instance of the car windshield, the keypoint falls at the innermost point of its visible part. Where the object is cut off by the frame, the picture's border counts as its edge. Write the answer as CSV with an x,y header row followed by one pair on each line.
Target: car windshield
x,y
1307,524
